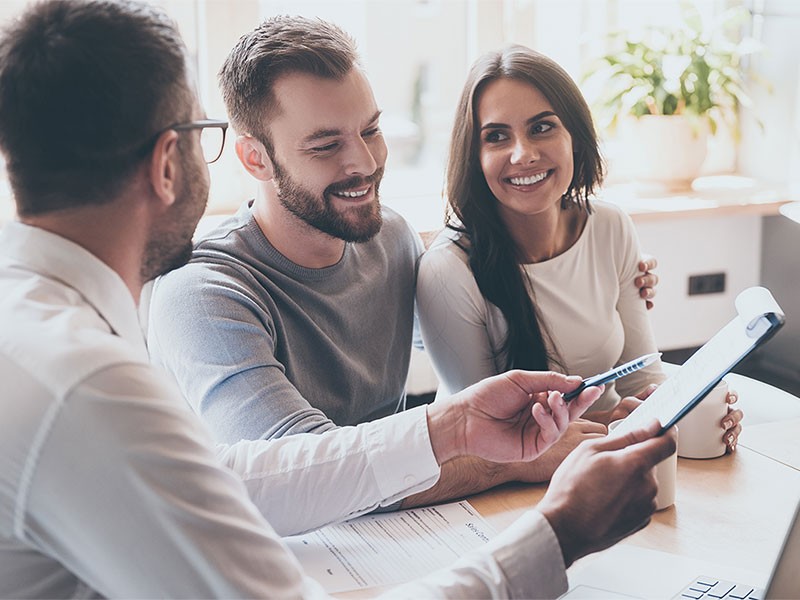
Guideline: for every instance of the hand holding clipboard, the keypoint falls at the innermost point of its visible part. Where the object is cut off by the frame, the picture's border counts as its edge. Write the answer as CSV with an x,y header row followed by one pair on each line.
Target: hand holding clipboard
x,y
758,318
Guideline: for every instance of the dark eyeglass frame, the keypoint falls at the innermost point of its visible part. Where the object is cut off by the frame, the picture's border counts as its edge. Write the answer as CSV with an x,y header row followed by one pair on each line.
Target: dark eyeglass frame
x,y
203,124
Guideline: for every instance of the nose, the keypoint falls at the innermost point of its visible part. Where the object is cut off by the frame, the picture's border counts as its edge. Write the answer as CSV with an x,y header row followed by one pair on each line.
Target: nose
x,y
360,160
524,151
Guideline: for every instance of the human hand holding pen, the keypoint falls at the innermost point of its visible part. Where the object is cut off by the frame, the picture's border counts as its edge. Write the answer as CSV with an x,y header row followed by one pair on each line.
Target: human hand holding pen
x,y
510,417
592,426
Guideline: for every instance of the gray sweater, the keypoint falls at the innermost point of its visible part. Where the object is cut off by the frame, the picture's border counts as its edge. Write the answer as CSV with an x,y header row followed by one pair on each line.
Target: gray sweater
x,y
262,347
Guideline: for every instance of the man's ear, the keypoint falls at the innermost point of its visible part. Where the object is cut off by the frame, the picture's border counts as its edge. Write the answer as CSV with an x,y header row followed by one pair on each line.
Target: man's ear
x,y
254,157
164,167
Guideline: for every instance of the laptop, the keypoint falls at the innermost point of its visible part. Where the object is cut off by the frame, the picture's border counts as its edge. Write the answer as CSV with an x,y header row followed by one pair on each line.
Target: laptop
x,y
625,571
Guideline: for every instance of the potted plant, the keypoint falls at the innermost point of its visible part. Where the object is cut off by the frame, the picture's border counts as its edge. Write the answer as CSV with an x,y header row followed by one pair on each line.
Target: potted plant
x,y
668,89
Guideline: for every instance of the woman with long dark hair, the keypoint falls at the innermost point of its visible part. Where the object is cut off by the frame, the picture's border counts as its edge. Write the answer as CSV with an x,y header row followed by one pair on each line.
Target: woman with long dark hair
x,y
531,271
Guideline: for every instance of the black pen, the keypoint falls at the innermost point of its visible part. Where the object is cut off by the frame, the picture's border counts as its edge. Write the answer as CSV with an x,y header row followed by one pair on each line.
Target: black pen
x,y
615,373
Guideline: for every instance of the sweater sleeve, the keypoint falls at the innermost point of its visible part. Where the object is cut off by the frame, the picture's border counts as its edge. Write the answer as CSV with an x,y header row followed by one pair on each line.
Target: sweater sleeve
x,y
222,353
638,331
454,320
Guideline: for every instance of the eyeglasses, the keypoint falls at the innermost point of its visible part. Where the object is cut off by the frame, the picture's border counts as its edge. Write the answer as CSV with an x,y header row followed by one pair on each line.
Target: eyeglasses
x,y
212,136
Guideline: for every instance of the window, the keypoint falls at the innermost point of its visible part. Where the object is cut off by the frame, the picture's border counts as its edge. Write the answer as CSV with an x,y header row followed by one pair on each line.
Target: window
x,y
417,53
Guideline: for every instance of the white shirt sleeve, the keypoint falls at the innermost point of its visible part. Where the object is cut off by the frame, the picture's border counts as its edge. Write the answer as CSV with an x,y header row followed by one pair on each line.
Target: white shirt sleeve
x,y
306,481
124,491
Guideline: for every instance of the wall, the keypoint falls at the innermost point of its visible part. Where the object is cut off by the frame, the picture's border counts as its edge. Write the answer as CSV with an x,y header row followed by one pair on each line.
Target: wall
x,y
780,268
694,246
771,151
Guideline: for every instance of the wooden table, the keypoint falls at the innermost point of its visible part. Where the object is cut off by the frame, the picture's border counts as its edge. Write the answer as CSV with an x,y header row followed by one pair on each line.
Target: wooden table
x,y
733,507
779,441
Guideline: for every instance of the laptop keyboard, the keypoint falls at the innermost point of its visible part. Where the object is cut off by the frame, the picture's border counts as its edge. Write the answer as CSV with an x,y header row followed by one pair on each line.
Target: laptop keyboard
x,y
711,588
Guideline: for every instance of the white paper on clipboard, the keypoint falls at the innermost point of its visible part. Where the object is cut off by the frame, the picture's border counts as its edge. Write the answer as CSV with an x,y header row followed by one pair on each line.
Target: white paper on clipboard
x,y
758,318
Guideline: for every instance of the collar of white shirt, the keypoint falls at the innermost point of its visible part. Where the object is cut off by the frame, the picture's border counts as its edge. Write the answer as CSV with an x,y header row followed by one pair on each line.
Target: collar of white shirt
x,y
59,259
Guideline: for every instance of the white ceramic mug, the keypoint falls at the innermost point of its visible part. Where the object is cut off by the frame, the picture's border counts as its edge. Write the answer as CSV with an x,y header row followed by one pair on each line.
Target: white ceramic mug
x,y
666,476
701,429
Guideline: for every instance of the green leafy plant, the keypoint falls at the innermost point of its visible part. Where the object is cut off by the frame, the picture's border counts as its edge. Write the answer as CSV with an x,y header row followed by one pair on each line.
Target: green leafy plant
x,y
695,70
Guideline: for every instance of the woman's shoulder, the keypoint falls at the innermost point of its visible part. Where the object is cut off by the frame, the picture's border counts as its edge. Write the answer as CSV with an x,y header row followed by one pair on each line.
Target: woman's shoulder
x,y
607,210
445,253
447,245
610,217
616,234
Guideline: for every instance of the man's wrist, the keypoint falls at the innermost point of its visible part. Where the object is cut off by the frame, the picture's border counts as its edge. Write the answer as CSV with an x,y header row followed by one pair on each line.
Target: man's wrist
x,y
446,431
563,532
538,470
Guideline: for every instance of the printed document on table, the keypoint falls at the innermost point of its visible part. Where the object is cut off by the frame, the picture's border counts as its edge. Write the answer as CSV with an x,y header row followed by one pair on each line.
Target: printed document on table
x,y
390,548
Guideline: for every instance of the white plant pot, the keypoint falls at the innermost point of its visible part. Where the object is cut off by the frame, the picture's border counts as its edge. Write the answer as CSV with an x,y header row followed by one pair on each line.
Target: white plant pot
x,y
664,150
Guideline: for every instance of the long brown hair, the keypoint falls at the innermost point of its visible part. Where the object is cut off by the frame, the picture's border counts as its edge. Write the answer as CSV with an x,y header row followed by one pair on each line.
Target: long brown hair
x,y
472,208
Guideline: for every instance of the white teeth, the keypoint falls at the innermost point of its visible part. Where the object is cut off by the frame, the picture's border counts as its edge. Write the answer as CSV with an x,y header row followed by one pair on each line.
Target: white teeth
x,y
352,194
528,180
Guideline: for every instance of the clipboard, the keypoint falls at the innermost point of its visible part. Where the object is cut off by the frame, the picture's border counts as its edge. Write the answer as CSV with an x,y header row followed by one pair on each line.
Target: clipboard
x,y
758,318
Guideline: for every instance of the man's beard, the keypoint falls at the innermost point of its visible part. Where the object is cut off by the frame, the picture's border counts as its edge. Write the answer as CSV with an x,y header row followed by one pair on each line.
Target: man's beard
x,y
170,245
356,224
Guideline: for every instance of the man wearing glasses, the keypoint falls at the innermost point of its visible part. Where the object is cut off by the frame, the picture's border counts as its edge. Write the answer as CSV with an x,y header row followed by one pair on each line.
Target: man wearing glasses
x,y
108,483
212,136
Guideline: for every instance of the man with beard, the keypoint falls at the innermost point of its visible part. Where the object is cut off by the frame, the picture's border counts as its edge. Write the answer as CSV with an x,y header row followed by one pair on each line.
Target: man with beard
x,y
108,483
297,314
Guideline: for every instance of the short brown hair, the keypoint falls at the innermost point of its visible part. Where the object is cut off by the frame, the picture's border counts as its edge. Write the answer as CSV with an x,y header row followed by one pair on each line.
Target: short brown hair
x,y
85,85
279,46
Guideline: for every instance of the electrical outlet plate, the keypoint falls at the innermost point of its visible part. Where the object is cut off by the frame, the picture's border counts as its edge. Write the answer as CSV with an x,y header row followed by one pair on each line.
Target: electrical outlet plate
x,y
709,283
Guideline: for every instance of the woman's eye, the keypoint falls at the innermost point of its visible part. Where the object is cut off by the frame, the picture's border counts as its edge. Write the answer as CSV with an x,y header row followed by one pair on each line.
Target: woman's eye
x,y
542,127
494,136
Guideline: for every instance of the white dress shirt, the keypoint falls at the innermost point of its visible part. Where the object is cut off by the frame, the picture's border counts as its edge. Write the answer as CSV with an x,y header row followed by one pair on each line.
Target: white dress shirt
x,y
110,486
